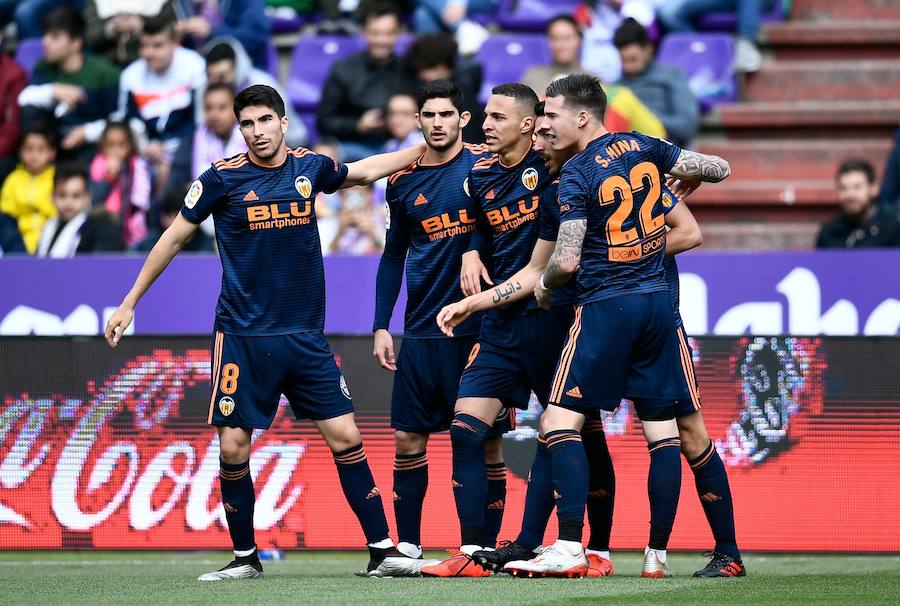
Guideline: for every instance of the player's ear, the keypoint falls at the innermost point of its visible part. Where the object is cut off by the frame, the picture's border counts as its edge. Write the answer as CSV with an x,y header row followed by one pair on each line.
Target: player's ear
x,y
284,125
527,124
419,120
583,118
464,119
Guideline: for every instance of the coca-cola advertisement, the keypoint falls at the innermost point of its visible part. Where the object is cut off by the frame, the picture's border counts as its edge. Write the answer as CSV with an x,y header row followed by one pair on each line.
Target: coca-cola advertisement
x,y
109,449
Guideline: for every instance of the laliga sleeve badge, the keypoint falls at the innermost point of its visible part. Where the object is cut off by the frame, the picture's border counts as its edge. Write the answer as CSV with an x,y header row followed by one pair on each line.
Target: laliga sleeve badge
x,y
466,186
303,186
530,178
344,389
226,405
193,195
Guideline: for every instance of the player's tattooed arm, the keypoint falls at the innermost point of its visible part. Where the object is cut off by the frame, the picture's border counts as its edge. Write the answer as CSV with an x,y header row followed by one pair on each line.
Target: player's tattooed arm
x,y
567,255
705,167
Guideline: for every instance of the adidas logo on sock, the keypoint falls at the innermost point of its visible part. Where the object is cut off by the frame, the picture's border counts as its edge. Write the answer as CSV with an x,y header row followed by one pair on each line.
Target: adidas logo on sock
x,y
396,496
598,494
373,493
575,392
229,508
710,497
455,484
500,504
251,195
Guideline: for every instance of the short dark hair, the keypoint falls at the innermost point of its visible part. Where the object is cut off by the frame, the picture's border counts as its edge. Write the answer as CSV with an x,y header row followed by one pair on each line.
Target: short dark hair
x,y
66,20
539,109
376,10
37,129
857,165
159,24
220,52
432,50
218,87
525,97
261,95
70,170
563,18
440,89
580,91
630,32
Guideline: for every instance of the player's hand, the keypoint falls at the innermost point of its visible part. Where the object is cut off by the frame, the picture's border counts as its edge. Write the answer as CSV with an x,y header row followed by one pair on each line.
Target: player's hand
x,y
544,296
471,274
681,187
118,322
384,350
452,316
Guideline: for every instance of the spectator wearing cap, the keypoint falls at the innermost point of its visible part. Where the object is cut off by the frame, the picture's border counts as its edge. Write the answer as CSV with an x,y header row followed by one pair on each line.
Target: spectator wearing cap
x,y
351,109
662,88
860,222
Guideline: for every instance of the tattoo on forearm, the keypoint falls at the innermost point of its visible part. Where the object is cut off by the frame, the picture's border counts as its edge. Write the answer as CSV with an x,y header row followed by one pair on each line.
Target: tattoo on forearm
x,y
701,166
505,291
567,254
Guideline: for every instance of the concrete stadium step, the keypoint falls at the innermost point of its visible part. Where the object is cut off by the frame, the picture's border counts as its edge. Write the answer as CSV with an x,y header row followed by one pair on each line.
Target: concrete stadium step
x,y
841,9
740,194
834,80
840,39
827,119
757,236
813,159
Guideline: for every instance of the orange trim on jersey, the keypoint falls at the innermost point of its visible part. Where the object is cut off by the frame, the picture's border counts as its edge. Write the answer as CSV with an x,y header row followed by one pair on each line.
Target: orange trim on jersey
x,y
565,360
486,162
403,171
476,148
216,368
516,163
687,367
299,152
232,164
231,160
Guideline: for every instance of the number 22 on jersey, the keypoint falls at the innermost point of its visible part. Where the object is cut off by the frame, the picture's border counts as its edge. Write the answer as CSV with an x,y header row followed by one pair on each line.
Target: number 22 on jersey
x,y
647,234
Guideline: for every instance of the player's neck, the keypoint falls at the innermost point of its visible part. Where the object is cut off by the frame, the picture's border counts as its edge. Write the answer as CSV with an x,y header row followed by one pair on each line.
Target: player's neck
x,y
589,135
439,156
273,162
514,155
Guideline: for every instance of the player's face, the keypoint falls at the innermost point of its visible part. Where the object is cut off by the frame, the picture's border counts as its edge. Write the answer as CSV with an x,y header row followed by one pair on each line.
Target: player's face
x,y
71,197
553,159
441,123
504,123
217,108
158,50
263,131
855,193
381,35
560,123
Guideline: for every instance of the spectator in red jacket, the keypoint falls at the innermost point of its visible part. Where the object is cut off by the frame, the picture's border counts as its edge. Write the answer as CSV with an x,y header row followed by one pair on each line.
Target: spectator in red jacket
x,y
12,81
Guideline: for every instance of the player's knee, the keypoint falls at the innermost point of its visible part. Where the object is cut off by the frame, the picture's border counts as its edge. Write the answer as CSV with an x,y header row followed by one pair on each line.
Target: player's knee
x,y
407,442
468,432
493,450
234,445
693,434
342,436
555,418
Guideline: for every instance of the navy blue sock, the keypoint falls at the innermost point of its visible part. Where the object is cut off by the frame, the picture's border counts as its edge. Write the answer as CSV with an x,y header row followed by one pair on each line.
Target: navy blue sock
x,y
570,481
602,485
539,501
496,502
410,484
715,495
467,435
663,487
361,492
238,499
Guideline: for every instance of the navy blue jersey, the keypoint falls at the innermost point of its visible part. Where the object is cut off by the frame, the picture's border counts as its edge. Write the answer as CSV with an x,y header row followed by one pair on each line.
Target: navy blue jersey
x,y
508,199
617,185
567,294
670,267
273,281
430,222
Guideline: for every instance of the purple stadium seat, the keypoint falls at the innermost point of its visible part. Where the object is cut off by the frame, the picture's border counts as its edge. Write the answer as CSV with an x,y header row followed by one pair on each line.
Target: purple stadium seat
x,y
505,57
272,59
532,15
309,120
403,44
28,53
311,63
727,22
706,61
282,22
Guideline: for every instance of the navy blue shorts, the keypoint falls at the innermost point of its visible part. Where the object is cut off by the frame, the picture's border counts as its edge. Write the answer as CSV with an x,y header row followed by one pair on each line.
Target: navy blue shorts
x,y
516,355
687,406
249,374
623,347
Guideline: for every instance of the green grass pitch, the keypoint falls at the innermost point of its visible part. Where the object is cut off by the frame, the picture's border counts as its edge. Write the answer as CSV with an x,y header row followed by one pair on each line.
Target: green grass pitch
x,y
162,578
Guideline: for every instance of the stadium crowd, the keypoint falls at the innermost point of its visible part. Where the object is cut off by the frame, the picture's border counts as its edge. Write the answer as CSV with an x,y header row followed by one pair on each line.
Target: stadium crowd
x,y
131,101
